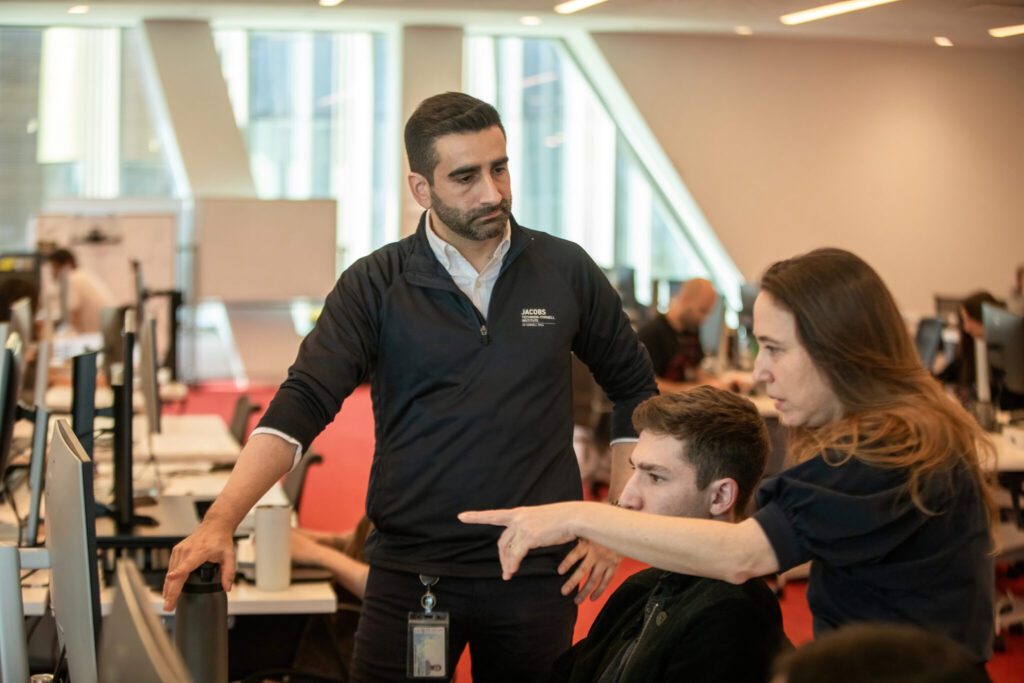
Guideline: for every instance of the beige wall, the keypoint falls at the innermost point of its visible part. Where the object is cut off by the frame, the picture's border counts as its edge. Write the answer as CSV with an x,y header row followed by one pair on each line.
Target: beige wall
x,y
912,157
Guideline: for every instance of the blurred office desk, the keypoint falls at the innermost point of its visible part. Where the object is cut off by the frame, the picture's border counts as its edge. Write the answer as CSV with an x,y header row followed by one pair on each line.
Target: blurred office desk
x,y
299,598
185,438
206,487
58,397
315,597
182,439
35,597
1009,458
175,518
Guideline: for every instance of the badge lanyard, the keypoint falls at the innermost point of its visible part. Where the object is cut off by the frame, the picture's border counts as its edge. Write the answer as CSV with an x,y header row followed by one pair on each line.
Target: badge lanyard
x,y
428,637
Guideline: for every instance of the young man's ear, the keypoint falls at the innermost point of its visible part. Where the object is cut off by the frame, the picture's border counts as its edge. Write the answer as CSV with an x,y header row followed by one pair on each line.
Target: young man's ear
x,y
724,493
420,188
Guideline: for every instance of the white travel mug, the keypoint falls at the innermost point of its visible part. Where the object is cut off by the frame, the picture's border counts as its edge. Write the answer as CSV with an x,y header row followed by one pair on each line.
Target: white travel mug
x,y
273,547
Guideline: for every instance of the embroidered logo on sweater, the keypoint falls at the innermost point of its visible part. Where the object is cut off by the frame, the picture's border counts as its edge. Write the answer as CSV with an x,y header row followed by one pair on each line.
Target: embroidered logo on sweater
x,y
537,317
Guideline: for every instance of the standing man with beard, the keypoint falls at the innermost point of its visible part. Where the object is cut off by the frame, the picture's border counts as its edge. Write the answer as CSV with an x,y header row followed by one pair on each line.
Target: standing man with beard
x,y
465,330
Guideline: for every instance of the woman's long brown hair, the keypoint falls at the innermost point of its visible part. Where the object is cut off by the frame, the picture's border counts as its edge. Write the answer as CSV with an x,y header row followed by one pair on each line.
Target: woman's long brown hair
x,y
896,414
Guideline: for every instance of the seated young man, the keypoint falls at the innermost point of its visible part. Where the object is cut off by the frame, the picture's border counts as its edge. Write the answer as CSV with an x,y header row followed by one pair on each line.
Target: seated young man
x,y
701,454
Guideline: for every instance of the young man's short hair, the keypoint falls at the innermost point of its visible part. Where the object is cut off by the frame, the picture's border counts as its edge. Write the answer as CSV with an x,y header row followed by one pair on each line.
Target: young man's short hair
x,y
884,653
445,114
722,434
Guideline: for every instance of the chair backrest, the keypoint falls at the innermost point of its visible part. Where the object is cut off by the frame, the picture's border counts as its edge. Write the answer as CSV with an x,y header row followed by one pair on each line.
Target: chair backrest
x,y
295,481
244,408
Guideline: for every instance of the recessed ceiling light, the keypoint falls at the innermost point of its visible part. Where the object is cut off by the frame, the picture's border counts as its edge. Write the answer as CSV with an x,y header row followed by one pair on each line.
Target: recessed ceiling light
x,y
943,41
826,11
530,21
743,31
1006,31
79,9
576,5
330,3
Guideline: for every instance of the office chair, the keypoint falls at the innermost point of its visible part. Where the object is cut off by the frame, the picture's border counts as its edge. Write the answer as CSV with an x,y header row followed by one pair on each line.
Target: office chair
x,y
244,409
295,481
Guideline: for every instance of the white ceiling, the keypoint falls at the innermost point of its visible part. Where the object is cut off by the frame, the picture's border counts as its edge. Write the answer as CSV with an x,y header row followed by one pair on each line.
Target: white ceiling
x,y
965,22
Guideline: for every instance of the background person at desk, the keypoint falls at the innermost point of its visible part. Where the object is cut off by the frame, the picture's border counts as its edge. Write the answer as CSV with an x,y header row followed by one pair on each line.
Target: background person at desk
x,y
318,644
472,405
961,373
673,338
888,502
87,295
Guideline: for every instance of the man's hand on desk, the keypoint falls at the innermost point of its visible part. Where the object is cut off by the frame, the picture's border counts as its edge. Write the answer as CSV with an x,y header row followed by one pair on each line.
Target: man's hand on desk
x,y
210,543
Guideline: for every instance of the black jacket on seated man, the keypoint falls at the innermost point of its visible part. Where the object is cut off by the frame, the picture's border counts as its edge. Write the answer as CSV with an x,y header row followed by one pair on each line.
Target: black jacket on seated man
x,y
661,626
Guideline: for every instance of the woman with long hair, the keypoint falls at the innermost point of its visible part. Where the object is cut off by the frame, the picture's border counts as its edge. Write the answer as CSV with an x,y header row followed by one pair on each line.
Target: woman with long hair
x,y
887,498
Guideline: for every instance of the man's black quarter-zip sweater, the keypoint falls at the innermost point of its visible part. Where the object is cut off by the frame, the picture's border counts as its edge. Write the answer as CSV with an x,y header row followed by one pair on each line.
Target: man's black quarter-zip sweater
x,y
470,413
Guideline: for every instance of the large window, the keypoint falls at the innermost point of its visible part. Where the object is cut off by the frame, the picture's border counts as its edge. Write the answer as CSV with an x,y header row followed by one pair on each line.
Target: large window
x,y
317,113
74,123
574,172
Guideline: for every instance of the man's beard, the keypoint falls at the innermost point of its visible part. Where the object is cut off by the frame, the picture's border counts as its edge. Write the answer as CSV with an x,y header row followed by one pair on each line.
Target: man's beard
x,y
470,224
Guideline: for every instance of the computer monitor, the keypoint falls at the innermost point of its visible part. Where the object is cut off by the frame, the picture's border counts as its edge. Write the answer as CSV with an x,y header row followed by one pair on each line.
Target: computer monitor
x,y
748,295
36,477
112,324
623,279
947,308
71,542
148,371
1004,337
10,371
711,328
21,319
140,290
124,495
64,297
40,417
928,339
83,398
135,646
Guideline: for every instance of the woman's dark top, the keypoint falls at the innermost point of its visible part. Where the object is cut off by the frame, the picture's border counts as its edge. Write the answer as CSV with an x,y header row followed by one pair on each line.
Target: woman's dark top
x,y
876,556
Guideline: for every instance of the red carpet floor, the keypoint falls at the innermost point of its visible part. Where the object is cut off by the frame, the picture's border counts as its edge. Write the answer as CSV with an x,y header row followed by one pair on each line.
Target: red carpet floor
x,y
335,495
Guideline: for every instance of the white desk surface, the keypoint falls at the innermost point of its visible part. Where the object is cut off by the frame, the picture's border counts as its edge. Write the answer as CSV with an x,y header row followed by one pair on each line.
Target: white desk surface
x,y
182,439
314,597
58,398
1009,458
35,598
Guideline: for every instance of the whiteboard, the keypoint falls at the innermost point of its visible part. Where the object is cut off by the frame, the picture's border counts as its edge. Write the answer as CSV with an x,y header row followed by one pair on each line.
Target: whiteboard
x,y
147,238
106,244
252,250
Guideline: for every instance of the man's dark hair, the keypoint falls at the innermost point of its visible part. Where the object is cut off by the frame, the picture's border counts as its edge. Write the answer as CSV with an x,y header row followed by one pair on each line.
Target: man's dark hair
x,y
445,114
882,653
63,257
722,435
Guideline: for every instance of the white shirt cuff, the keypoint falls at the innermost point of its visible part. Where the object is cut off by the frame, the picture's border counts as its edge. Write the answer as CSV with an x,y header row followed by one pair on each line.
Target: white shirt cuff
x,y
281,435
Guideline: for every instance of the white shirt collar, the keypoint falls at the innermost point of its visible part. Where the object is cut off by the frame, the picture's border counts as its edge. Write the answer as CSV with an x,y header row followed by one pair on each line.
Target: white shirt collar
x,y
446,253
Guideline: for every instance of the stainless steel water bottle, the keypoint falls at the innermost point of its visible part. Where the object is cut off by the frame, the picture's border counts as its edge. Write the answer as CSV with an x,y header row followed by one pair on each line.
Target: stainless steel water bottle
x,y
201,625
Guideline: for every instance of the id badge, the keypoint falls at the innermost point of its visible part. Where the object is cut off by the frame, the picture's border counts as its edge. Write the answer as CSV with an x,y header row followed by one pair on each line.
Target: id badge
x,y
427,645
